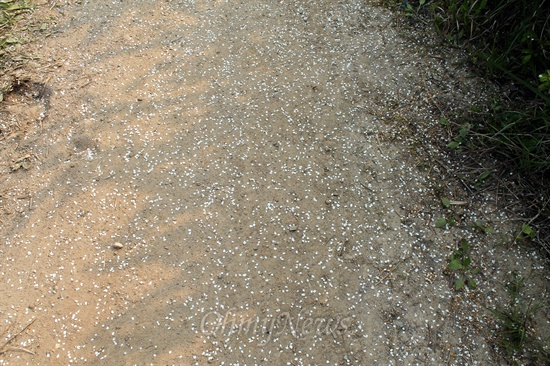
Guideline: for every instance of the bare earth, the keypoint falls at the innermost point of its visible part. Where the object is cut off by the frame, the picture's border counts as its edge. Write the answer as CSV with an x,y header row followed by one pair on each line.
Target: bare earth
x,y
233,182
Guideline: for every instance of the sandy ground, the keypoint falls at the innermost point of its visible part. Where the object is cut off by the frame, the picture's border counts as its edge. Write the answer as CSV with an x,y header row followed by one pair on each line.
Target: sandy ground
x,y
233,183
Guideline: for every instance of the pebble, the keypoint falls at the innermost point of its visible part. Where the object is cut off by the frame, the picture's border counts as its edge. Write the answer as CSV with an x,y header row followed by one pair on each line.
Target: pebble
x,y
118,245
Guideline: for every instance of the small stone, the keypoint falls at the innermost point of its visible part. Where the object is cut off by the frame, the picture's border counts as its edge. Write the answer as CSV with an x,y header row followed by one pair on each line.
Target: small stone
x,y
293,227
118,245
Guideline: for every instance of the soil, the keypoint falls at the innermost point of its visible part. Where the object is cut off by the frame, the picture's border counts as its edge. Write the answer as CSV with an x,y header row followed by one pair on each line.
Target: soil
x,y
243,183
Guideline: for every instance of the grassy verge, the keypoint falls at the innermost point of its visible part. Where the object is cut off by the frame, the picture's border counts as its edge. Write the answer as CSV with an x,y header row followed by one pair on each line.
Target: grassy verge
x,y
508,42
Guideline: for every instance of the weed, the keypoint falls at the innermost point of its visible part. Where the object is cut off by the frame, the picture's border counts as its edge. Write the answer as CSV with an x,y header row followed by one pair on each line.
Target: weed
x,y
545,81
526,232
442,222
460,263
482,227
11,11
515,323
520,135
457,142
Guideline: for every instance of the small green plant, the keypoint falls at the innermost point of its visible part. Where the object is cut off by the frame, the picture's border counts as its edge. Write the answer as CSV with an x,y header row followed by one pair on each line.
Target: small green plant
x,y
526,232
442,222
10,11
545,81
461,138
414,11
475,180
483,228
460,263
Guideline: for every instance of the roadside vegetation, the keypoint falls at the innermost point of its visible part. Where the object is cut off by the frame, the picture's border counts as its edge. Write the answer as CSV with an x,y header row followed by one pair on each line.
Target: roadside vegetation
x,y
508,44
20,63
12,34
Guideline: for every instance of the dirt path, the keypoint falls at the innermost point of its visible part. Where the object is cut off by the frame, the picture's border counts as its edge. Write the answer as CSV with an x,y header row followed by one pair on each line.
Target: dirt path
x,y
249,159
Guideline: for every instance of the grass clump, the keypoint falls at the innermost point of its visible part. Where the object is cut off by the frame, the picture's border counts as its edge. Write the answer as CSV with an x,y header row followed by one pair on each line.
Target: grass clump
x,y
11,11
515,330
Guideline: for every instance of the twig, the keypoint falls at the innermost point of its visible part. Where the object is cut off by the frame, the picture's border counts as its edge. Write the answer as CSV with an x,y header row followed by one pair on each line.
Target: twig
x,y
21,349
2,348
342,248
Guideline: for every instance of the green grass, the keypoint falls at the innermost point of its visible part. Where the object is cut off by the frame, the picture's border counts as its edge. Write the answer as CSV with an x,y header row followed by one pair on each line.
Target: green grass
x,y
515,330
11,11
508,42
